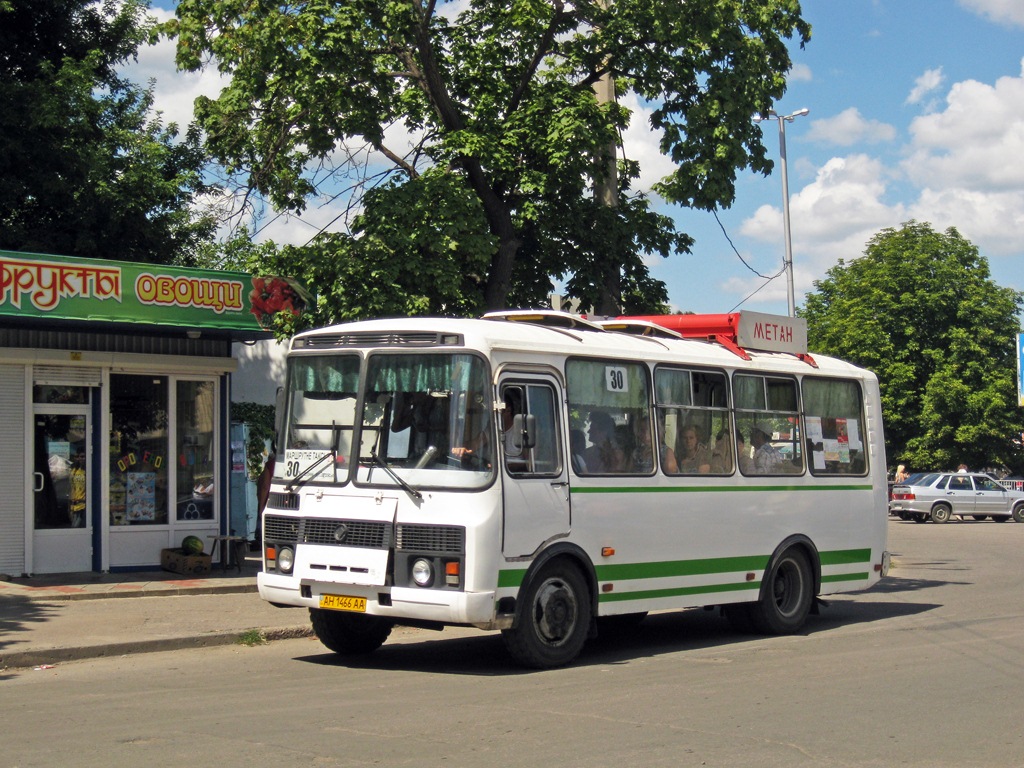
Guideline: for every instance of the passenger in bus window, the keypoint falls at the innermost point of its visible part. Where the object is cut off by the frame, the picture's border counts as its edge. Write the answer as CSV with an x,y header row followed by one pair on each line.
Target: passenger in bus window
x,y
577,449
721,454
767,460
694,456
604,455
743,455
642,459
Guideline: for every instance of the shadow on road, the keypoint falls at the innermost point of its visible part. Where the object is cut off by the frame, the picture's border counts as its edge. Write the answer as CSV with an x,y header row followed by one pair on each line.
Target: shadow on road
x,y
661,633
16,614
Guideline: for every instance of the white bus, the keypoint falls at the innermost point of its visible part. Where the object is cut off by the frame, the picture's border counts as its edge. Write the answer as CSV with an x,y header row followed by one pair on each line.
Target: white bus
x,y
545,475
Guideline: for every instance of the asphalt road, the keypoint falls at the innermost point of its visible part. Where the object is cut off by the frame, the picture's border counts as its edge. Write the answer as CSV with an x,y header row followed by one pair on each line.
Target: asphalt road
x,y
924,670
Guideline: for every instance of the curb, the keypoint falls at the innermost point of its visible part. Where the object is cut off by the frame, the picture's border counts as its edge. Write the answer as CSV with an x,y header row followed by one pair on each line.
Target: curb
x,y
44,656
43,595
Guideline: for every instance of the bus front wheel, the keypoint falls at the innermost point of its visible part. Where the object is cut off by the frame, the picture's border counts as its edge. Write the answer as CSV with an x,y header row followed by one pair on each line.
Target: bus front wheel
x,y
787,597
349,634
553,620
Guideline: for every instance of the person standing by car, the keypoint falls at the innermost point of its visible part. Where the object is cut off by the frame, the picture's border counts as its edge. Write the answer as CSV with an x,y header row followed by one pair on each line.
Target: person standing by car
x,y
901,474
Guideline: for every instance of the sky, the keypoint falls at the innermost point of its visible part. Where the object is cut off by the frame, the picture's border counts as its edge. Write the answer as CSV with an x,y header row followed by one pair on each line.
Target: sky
x,y
916,112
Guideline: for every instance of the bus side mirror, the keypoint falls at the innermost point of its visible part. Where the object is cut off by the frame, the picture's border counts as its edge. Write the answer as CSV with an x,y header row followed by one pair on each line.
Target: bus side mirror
x,y
524,431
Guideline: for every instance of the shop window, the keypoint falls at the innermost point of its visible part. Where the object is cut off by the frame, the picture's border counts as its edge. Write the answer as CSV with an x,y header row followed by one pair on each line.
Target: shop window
x,y
194,455
138,449
59,394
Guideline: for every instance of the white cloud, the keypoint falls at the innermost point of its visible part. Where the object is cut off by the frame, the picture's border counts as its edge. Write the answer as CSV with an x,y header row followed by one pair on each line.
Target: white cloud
x,y
975,142
640,142
831,218
175,92
1011,11
850,127
799,73
925,84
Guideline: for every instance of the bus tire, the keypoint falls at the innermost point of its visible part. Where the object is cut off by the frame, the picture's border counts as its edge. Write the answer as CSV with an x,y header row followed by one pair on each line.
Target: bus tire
x,y
349,634
553,619
787,595
1018,513
941,513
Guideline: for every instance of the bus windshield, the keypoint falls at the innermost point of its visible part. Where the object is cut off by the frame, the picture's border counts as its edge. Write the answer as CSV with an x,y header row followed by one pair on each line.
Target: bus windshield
x,y
426,417
321,406
424,420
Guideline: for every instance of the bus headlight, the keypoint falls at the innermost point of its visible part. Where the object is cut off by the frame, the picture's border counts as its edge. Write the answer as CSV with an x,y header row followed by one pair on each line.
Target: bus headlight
x,y
423,572
285,559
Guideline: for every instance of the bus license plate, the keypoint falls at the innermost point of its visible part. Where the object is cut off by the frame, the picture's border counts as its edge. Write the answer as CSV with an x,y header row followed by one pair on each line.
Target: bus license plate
x,y
343,603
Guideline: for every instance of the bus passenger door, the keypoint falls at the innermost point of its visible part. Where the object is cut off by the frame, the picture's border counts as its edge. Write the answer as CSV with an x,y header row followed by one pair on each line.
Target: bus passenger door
x,y
535,478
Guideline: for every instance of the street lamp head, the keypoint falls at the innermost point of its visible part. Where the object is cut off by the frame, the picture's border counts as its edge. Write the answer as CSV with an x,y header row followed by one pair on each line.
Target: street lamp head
x,y
801,112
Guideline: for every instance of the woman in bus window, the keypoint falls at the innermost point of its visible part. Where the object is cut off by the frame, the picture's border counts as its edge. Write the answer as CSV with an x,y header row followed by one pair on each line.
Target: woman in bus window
x,y
694,457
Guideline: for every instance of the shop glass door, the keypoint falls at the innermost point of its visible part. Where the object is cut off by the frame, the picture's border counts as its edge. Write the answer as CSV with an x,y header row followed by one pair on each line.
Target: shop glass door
x,y
62,530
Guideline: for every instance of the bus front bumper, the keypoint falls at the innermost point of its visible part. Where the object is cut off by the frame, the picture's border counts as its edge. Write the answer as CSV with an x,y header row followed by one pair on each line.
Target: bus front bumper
x,y
398,603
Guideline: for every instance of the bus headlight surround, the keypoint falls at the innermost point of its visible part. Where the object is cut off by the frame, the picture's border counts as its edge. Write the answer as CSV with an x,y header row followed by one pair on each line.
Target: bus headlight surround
x,y
285,559
422,572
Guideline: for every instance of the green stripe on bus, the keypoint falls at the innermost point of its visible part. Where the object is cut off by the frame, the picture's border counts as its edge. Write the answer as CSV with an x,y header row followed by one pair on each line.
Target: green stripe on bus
x,y
628,571
705,589
845,577
513,577
845,556
577,489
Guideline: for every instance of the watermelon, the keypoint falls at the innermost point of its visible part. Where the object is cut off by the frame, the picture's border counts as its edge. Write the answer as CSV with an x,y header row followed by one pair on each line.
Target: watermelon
x,y
192,545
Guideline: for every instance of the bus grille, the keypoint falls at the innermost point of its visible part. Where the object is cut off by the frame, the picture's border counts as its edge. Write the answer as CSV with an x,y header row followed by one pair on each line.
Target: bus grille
x,y
346,533
431,538
283,500
281,529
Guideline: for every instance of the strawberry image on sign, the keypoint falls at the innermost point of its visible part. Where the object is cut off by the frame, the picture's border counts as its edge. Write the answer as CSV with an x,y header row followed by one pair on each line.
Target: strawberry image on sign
x,y
271,295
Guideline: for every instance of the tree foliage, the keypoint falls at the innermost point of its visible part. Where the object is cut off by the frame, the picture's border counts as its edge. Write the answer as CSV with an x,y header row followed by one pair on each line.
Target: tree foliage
x,y
920,309
86,169
497,97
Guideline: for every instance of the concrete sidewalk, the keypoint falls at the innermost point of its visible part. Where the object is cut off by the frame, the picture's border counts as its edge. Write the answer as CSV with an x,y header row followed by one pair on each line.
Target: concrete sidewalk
x,y
51,619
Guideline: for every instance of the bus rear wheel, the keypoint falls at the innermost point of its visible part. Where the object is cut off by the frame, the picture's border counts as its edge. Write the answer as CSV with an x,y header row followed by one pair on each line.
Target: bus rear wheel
x,y
553,620
787,595
349,634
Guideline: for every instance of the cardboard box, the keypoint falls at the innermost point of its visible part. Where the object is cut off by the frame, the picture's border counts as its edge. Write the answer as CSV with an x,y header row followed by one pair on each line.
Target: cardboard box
x,y
176,561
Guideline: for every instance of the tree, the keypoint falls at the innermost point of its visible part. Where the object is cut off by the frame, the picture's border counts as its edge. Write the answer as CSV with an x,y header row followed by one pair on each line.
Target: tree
x,y
497,97
920,309
86,169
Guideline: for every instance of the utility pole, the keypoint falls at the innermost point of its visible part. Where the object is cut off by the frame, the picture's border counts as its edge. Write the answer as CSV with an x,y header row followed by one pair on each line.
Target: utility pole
x,y
786,233
606,192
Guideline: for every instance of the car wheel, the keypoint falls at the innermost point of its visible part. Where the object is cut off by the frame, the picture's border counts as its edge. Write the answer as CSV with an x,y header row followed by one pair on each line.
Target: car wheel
x,y
980,518
1018,513
1000,518
921,518
941,513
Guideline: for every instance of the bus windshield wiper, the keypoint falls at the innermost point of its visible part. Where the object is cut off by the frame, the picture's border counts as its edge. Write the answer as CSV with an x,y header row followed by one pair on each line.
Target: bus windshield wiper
x,y
333,454
379,462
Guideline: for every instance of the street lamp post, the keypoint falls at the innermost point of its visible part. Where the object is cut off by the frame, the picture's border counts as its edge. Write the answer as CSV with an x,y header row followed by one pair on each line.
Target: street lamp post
x,y
787,234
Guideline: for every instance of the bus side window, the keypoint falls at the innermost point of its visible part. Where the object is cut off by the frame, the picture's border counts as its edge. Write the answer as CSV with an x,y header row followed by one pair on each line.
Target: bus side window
x,y
529,436
833,414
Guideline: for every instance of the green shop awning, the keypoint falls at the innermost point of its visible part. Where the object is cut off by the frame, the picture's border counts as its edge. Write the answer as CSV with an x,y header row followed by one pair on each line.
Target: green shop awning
x,y
39,287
